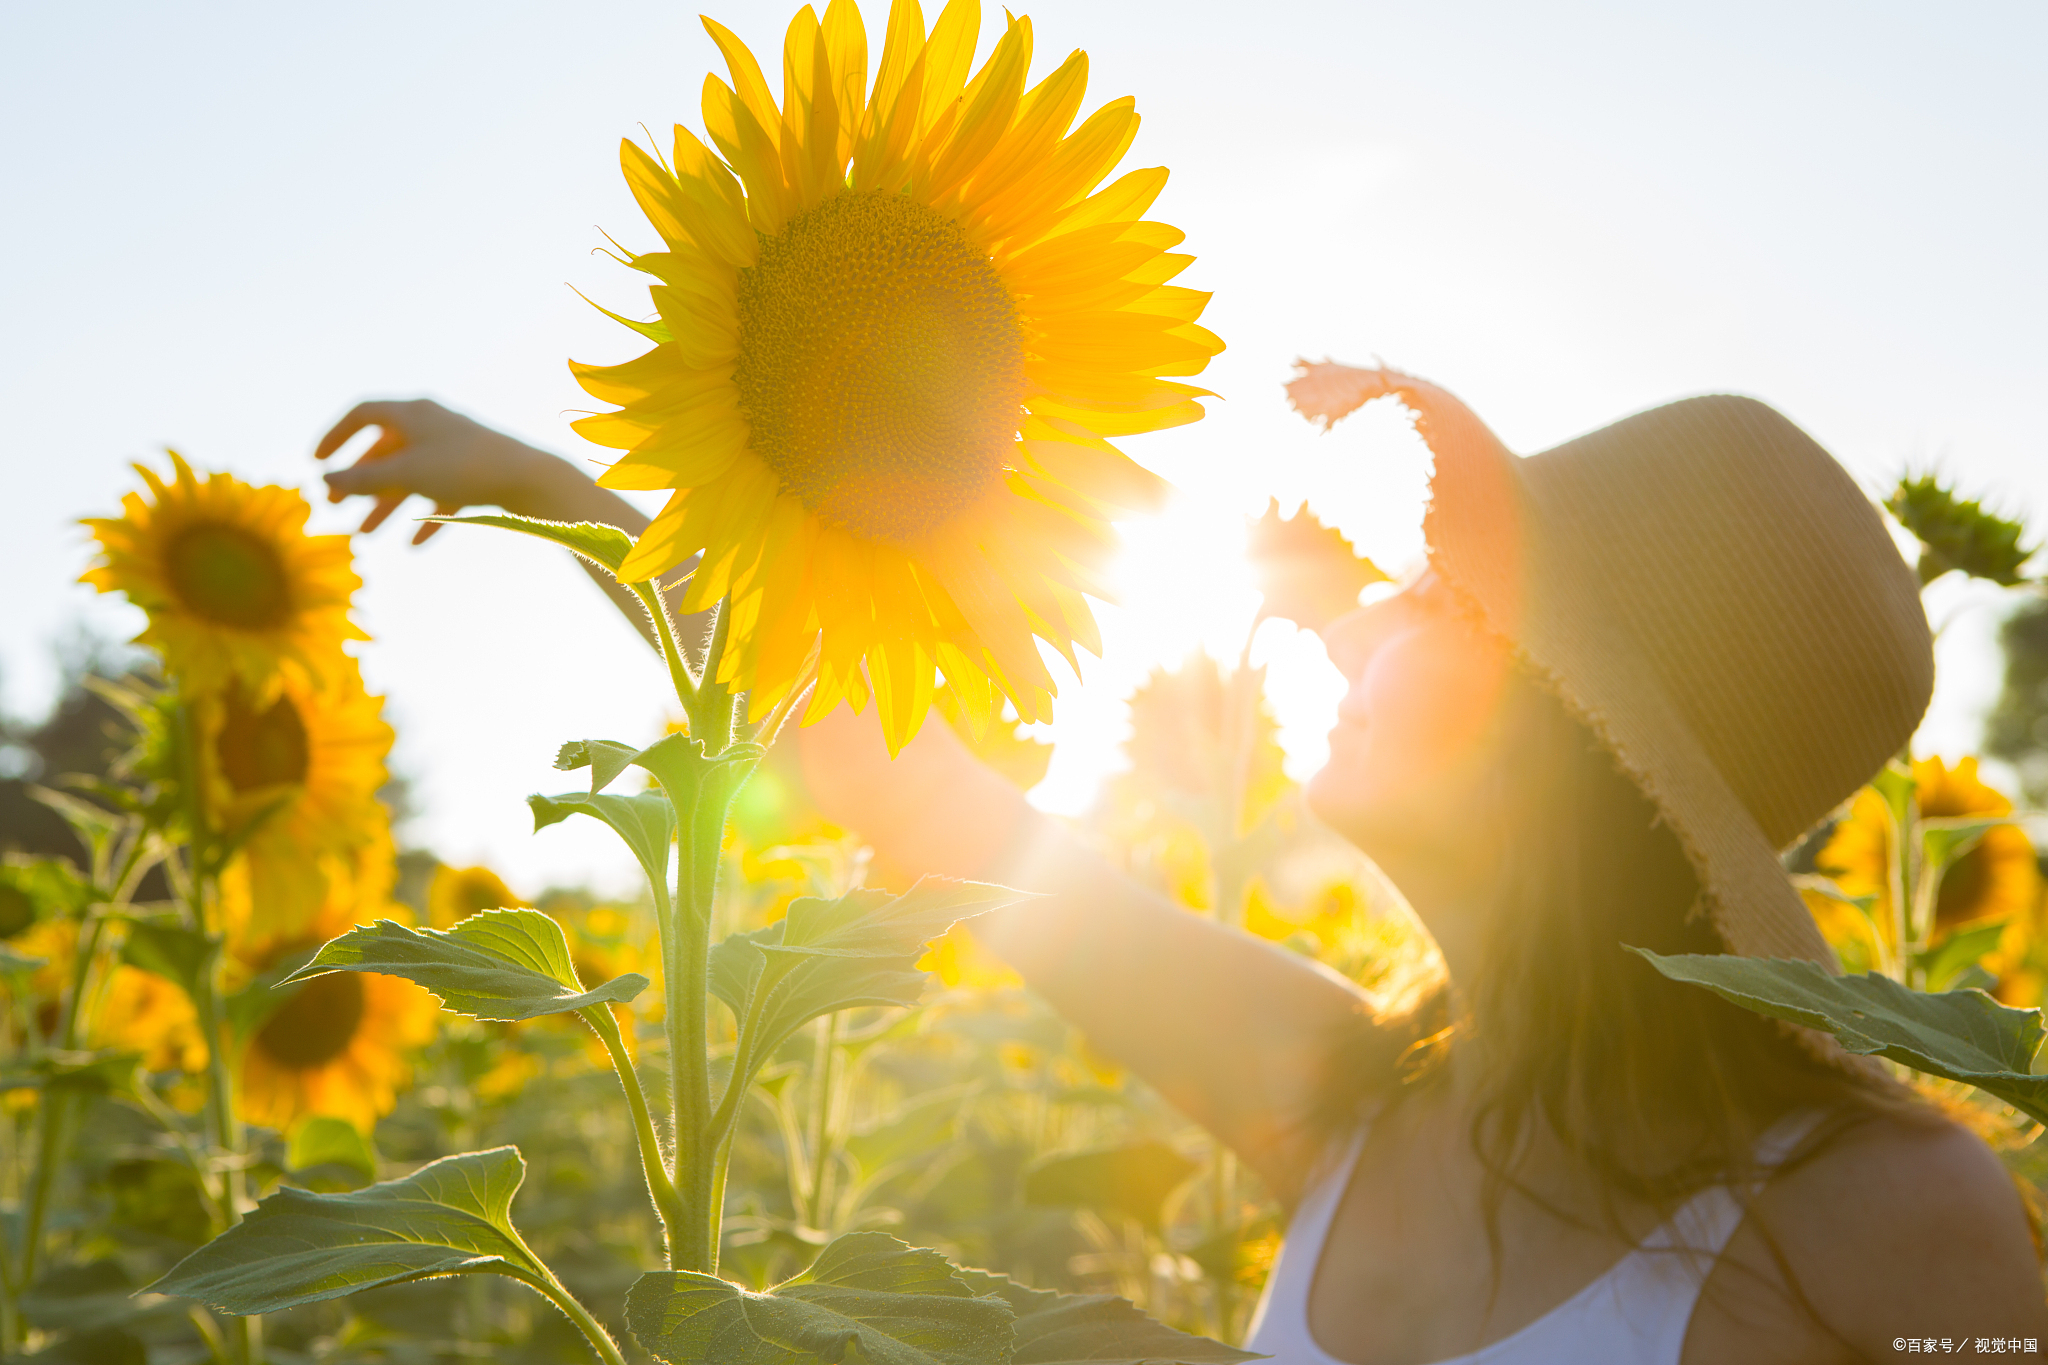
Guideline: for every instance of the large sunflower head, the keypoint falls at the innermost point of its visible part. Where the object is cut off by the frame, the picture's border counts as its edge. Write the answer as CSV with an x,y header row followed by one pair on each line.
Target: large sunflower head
x,y
300,774
896,322
341,1044
1998,879
233,585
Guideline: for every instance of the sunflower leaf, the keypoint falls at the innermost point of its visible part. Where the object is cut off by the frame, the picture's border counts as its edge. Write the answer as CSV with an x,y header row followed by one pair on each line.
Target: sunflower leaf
x,y
801,988
80,1073
606,759
1094,1329
1133,1180
324,1140
449,1217
642,820
869,923
867,1297
171,951
1961,1035
600,544
497,964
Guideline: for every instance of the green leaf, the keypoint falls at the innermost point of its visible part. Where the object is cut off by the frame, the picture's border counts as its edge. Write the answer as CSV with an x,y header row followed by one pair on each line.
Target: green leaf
x,y
868,923
1896,786
644,821
1962,949
12,962
868,1298
173,952
804,987
496,964
1094,1329
1945,839
606,759
1961,1035
603,545
77,1073
324,1140
34,889
98,1294
449,1217
1132,1180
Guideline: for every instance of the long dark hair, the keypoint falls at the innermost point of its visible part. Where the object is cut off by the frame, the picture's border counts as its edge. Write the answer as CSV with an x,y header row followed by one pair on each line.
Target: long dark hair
x,y
1658,1089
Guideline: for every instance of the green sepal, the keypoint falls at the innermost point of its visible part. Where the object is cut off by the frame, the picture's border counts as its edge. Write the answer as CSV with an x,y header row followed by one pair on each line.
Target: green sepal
x,y
644,820
1132,1180
496,964
606,546
868,1297
1094,1329
1960,1035
177,954
449,1217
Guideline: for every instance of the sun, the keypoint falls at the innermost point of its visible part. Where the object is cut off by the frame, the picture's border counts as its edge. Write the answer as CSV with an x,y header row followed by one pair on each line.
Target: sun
x,y
896,325
234,588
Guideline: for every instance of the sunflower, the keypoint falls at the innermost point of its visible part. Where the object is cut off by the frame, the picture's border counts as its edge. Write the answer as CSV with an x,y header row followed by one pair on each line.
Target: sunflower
x,y
300,772
339,1045
1996,880
233,585
129,1009
895,326
456,893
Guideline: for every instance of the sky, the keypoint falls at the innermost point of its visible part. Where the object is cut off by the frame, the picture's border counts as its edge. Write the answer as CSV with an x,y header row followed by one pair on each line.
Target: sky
x,y
227,223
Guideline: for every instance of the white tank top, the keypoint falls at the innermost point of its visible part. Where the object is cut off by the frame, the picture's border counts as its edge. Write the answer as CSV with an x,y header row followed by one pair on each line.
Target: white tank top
x,y
1634,1314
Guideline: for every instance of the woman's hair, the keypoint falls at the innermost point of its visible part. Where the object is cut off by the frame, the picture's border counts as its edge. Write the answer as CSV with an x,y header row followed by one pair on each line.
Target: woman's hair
x,y
1658,1088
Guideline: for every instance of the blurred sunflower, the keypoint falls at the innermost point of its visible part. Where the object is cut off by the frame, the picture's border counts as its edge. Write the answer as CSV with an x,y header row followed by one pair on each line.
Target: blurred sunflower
x,y
895,326
602,946
456,893
1996,880
129,1009
304,769
1187,742
1307,572
340,1044
233,585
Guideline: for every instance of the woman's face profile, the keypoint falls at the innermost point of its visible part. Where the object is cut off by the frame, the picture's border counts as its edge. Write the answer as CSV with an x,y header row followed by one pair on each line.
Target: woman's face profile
x,y
1415,732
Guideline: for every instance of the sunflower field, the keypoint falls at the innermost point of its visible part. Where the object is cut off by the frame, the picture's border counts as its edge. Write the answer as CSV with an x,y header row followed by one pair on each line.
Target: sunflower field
x,y
277,1089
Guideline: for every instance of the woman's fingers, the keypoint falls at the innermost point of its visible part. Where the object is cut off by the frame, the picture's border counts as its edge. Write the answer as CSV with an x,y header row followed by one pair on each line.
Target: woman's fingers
x,y
375,413
427,528
387,503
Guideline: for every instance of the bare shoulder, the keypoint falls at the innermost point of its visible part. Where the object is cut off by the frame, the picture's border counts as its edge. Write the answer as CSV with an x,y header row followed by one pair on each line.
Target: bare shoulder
x,y
1894,1230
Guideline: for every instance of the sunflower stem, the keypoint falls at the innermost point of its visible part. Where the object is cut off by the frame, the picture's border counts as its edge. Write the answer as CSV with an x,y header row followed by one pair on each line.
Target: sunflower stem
x,y
593,1331
225,1134
659,1186
650,597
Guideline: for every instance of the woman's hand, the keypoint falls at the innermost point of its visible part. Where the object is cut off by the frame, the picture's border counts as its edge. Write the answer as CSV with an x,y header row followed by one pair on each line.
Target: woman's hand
x,y
423,448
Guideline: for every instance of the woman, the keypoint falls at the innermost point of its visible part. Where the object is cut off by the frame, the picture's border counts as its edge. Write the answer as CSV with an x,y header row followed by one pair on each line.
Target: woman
x,y
1637,666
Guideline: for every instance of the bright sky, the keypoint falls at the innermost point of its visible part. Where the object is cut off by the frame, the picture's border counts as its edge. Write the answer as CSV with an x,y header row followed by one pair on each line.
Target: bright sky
x,y
226,223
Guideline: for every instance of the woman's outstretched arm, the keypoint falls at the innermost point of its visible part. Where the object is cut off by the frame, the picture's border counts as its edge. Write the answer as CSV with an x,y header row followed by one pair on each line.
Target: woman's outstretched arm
x,y
1237,1033
426,450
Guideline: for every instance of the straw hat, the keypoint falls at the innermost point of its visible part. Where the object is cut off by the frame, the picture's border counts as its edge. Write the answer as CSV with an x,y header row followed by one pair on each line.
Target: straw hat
x,y
1710,593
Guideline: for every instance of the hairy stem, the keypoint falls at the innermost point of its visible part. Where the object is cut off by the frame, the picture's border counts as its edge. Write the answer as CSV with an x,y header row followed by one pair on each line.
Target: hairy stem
x,y
593,1331
659,1186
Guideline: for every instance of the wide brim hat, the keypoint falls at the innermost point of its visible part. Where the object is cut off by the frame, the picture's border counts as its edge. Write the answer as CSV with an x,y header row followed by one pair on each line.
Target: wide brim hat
x,y
1710,593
